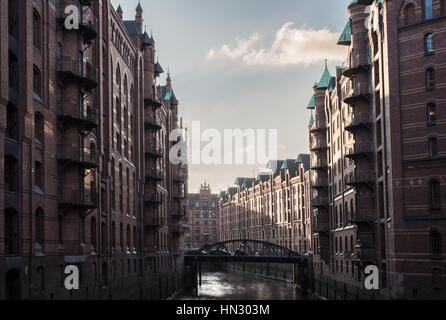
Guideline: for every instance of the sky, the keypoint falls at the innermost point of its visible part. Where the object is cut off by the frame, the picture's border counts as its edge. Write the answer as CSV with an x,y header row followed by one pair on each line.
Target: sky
x,y
244,64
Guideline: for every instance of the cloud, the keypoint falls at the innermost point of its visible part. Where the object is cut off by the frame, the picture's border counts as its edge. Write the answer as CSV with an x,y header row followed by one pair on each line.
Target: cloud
x,y
236,51
292,46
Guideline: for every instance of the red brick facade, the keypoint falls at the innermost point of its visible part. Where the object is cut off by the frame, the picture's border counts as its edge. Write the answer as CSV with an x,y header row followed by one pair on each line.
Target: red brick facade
x,y
85,156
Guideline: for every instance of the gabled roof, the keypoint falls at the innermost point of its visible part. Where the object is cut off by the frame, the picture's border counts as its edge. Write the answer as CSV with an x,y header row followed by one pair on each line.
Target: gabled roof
x,y
291,166
231,191
312,103
247,183
133,29
332,85
325,79
305,160
158,68
346,36
262,177
275,165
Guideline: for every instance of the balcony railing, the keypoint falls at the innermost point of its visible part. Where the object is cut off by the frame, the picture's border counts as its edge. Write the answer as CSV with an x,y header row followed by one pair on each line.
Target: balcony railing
x,y
318,164
319,183
362,216
358,120
75,70
153,175
73,109
354,66
152,121
358,149
153,222
359,178
320,228
319,203
358,93
319,125
154,198
153,151
75,154
85,198
318,145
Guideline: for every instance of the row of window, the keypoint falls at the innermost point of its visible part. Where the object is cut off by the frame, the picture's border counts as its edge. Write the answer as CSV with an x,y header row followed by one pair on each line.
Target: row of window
x,y
428,11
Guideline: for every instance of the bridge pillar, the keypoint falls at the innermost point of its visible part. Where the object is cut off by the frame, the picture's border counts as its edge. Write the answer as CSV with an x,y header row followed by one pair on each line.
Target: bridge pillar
x,y
199,271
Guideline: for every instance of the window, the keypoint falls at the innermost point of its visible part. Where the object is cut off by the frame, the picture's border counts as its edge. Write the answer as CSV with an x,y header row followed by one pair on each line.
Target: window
x,y
40,226
36,30
12,17
431,114
38,176
39,127
430,79
11,174
128,237
11,122
435,194
121,236
428,12
36,81
409,14
435,240
433,150
429,45
13,71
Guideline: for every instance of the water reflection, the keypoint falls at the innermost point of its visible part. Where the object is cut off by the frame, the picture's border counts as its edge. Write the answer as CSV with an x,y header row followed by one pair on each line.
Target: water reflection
x,y
224,285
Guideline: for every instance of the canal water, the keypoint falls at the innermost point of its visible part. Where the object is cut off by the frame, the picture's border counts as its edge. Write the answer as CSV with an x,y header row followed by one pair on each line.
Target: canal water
x,y
227,285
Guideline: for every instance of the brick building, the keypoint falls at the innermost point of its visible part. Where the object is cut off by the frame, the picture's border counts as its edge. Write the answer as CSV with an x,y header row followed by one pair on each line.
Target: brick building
x,y
378,160
273,207
378,144
84,143
202,218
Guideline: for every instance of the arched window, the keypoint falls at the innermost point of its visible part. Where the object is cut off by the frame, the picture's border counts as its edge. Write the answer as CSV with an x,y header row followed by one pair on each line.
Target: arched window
x,y
431,114
36,30
11,174
409,14
134,237
104,274
39,127
428,10
433,149
118,80
93,233
435,243
12,17
429,43
40,225
11,232
435,194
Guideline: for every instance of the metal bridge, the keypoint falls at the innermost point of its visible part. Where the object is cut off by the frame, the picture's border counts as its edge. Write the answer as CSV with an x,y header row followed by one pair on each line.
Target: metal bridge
x,y
245,251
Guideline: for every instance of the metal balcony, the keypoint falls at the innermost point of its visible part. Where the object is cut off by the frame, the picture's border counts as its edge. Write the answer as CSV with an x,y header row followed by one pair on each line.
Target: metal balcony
x,y
354,66
319,126
153,223
318,145
357,95
363,217
153,176
319,184
75,155
179,195
69,69
154,199
152,102
177,229
178,179
356,150
357,121
321,229
153,152
80,198
319,203
72,111
319,165
88,22
364,255
359,179
152,121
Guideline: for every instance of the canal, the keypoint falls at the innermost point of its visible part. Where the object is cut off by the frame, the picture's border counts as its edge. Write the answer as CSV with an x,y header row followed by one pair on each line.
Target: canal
x,y
228,285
